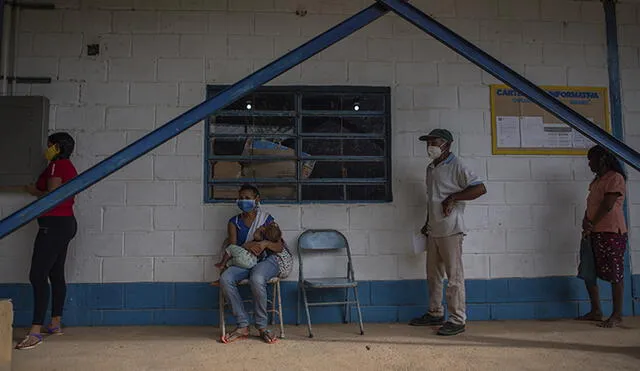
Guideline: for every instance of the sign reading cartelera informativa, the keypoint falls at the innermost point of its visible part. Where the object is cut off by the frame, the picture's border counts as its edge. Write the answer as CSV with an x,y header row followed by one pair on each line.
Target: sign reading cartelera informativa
x,y
519,126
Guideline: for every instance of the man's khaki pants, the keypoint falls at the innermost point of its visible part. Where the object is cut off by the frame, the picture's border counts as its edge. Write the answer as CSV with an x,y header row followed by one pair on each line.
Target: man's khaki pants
x,y
444,258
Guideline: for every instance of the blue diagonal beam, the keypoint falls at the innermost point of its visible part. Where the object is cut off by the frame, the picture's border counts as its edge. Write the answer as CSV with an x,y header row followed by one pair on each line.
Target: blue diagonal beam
x,y
190,118
513,79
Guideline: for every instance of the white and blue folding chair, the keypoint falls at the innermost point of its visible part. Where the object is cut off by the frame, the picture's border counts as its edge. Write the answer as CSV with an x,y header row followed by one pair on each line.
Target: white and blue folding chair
x,y
317,241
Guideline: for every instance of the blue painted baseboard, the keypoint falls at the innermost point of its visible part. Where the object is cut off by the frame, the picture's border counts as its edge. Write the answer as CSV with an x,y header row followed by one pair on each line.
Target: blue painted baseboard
x,y
382,301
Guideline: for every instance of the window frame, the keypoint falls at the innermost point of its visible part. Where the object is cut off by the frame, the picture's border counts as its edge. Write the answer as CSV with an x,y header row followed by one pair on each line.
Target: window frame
x,y
297,113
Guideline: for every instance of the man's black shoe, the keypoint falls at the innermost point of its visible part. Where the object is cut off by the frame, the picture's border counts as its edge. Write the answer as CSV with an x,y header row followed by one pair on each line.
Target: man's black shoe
x,y
427,320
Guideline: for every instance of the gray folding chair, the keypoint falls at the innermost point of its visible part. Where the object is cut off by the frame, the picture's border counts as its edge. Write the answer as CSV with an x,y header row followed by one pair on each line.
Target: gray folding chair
x,y
326,240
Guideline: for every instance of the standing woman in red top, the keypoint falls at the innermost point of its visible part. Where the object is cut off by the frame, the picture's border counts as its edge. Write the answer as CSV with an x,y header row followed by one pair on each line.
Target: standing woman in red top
x,y
57,228
604,223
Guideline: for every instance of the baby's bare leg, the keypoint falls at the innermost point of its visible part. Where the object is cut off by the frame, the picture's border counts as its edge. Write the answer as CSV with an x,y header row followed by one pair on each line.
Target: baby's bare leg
x,y
224,260
222,265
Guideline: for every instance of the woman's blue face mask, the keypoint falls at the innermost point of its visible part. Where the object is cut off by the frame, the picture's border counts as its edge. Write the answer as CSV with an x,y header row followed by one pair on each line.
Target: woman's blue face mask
x,y
246,205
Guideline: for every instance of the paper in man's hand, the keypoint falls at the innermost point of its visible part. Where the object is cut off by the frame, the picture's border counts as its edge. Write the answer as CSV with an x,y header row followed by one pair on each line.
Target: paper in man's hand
x,y
419,243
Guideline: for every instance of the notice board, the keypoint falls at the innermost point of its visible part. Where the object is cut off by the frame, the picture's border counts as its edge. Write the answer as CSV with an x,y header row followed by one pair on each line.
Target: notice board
x,y
521,127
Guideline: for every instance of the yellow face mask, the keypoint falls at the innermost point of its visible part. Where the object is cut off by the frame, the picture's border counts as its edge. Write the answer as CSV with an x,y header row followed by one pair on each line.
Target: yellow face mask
x,y
51,152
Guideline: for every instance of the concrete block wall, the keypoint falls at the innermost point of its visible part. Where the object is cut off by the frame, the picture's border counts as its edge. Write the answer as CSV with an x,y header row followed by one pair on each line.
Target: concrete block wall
x,y
147,223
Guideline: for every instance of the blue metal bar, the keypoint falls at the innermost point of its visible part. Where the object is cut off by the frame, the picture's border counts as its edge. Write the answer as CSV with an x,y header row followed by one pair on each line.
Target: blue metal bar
x,y
251,113
252,136
190,118
315,181
513,79
303,202
299,167
243,180
253,158
613,64
339,158
2,3
380,136
309,113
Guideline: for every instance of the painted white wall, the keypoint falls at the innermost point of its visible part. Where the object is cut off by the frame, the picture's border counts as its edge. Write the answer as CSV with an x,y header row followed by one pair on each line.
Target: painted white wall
x,y
147,222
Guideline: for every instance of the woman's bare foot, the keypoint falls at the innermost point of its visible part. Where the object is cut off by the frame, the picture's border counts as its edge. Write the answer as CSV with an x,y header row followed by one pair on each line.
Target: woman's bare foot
x,y
591,316
54,329
55,326
613,321
267,336
237,334
31,341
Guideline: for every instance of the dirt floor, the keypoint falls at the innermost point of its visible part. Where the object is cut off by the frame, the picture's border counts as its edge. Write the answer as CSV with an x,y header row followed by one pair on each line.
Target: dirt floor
x,y
531,345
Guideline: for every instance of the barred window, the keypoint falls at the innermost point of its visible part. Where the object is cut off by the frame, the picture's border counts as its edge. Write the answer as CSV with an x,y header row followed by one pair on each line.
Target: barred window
x,y
302,144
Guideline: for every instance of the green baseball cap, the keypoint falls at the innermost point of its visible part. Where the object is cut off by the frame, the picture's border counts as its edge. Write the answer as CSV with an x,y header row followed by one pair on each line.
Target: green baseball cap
x,y
438,133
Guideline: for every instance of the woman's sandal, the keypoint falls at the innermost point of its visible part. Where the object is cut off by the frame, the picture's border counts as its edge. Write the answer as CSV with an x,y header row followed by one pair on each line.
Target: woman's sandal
x,y
611,322
233,336
591,316
30,341
54,330
268,336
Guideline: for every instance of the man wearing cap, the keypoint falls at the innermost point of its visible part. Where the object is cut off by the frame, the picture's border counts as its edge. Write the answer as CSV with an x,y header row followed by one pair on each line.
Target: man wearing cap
x,y
449,184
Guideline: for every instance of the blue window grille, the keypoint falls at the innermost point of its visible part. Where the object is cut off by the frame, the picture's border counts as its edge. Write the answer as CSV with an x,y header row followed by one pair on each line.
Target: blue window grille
x,y
301,144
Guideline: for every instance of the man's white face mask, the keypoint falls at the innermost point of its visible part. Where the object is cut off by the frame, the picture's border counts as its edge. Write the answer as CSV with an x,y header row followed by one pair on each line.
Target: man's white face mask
x,y
434,152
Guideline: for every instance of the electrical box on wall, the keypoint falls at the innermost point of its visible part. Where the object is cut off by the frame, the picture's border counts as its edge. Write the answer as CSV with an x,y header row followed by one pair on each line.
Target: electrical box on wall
x,y
24,127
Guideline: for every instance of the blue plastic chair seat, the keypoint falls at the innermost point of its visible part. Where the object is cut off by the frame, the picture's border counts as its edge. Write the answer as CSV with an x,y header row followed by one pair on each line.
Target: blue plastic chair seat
x,y
332,282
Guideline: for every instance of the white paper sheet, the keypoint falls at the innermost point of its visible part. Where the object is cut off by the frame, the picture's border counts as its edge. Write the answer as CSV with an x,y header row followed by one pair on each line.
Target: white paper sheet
x,y
532,132
508,131
558,136
580,141
419,243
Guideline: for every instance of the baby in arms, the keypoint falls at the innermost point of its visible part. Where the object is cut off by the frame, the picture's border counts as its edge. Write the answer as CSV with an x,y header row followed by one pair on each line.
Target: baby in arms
x,y
240,256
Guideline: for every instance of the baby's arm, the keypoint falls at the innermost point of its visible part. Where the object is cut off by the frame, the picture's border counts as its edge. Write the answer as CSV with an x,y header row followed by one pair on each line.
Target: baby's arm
x,y
254,247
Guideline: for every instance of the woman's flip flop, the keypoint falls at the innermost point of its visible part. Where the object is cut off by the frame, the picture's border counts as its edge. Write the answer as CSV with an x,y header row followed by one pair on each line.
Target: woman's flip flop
x,y
30,341
268,337
56,330
233,336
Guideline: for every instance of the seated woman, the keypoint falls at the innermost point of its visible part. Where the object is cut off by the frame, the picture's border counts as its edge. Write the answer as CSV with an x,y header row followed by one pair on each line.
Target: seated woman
x,y
274,260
